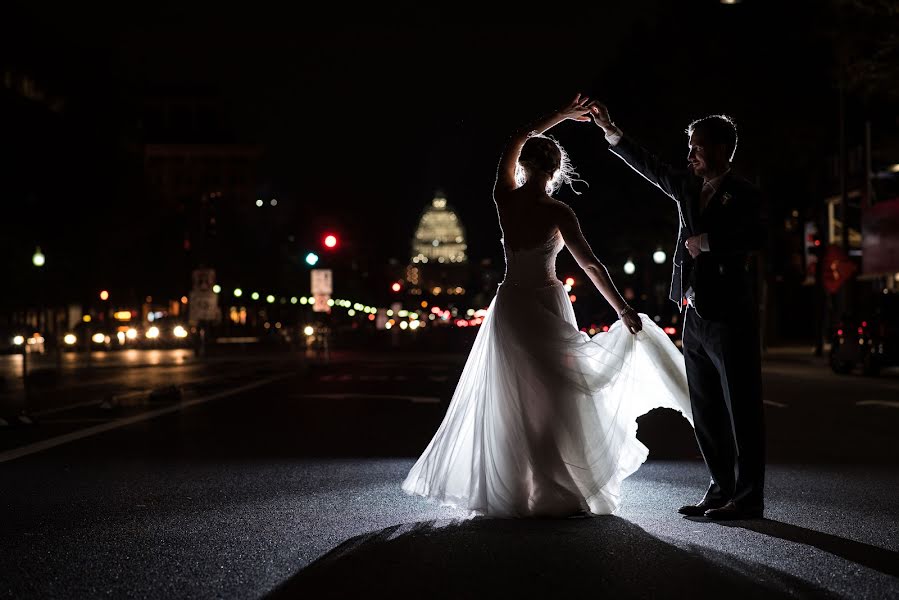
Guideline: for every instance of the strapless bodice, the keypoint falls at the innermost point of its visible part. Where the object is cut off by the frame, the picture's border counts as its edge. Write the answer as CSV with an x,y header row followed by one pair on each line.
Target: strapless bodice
x,y
533,267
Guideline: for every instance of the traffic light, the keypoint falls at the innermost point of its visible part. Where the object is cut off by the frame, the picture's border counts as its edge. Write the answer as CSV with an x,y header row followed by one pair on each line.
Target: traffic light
x,y
330,241
311,259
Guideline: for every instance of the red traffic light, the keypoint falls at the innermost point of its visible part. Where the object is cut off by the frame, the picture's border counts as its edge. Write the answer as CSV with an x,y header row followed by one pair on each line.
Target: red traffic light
x,y
330,240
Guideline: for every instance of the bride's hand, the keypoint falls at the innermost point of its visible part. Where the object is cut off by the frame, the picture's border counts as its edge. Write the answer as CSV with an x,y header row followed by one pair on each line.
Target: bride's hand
x,y
576,110
631,320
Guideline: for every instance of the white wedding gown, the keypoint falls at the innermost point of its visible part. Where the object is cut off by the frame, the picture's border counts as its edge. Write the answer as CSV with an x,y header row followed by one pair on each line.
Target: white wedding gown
x,y
543,419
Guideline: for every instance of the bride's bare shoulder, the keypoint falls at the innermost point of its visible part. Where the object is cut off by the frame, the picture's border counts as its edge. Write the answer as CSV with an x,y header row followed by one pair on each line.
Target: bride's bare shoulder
x,y
559,210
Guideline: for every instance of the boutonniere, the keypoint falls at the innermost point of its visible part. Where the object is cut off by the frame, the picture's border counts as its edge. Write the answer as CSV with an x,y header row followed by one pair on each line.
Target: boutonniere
x,y
726,198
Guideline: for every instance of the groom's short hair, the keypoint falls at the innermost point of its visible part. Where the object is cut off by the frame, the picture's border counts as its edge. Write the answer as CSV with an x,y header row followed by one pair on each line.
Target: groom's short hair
x,y
720,129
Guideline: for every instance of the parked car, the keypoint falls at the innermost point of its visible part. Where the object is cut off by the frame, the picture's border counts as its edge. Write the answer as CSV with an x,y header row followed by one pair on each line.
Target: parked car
x,y
869,340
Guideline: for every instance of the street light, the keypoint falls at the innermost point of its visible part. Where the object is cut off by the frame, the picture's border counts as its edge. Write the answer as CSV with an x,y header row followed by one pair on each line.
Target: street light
x,y
629,267
659,256
38,259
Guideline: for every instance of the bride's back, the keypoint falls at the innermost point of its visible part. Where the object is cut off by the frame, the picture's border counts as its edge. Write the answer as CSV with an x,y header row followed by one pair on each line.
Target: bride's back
x,y
527,219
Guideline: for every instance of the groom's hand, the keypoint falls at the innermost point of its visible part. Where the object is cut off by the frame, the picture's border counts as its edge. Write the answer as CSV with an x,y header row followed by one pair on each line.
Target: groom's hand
x,y
694,245
600,115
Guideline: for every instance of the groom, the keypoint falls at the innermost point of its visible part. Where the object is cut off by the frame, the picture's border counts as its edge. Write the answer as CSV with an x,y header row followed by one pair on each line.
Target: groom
x,y
720,227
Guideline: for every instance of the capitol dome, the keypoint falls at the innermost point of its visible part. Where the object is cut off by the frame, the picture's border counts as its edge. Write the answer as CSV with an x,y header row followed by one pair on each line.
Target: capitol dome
x,y
440,236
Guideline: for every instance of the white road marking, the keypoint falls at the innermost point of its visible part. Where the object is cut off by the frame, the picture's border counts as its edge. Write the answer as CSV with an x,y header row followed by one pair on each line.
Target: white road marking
x,y
889,403
83,433
415,399
50,411
773,403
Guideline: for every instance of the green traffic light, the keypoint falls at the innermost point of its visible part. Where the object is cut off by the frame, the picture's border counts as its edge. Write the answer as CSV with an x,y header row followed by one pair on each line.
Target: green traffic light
x,y
311,259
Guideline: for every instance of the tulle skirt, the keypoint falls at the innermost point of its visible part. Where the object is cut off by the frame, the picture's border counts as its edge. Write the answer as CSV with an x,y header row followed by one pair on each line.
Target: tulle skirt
x,y
543,419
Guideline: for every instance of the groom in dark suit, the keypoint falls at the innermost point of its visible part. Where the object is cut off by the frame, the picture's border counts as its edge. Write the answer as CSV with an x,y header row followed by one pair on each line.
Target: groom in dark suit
x,y
720,228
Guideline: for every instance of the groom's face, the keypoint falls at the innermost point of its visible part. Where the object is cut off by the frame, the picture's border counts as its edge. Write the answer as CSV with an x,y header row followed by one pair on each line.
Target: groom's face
x,y
704,157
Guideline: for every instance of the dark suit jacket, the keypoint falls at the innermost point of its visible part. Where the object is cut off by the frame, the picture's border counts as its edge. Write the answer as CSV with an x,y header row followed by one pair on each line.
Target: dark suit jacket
x,y
721,278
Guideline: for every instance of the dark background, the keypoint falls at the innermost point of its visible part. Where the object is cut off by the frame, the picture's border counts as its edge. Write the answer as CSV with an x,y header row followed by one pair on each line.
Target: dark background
x,y
363,116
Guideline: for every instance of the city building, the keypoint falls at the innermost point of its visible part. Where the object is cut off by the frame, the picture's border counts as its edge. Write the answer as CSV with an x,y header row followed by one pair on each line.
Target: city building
x,y
439,263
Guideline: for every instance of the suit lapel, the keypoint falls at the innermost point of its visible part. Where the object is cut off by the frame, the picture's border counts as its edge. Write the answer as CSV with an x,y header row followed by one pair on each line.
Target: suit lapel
x,y
715,200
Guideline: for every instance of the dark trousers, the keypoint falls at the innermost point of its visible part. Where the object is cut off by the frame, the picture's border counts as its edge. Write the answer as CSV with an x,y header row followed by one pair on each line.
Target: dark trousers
x,y
724,375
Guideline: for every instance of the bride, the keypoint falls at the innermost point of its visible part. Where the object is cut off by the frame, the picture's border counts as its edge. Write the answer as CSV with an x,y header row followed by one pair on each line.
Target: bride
x,y
543,419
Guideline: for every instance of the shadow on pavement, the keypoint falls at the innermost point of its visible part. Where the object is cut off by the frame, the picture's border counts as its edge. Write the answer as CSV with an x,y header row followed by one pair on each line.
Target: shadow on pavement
x,y
866,555
606,557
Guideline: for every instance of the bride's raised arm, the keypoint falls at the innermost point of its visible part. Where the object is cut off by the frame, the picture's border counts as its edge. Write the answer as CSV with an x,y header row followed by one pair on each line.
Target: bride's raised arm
x,y
576,110
570,228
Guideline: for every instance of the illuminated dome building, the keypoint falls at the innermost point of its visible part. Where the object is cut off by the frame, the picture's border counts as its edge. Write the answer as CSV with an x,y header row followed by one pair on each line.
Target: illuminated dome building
x,y
439,262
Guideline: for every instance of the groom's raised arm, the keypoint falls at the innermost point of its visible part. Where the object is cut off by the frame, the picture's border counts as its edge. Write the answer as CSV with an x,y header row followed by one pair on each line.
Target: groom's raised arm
x,y
668,179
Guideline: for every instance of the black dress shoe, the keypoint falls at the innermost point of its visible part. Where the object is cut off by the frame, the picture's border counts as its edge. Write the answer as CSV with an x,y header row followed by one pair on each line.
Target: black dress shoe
x,y
732,512
699,510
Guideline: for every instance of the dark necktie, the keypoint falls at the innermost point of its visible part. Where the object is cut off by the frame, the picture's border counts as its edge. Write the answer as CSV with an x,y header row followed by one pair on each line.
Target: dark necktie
x,y
705,195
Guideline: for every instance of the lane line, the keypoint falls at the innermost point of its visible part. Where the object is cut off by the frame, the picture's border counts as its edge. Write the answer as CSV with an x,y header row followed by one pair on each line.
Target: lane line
x,y
773,403
114,398
83,433
889,403
415,399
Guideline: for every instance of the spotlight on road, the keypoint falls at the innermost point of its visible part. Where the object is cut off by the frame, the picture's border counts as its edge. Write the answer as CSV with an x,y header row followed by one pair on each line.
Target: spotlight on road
x,y
179,332
308,330
153,333
70,339
99,338
131,334
18,340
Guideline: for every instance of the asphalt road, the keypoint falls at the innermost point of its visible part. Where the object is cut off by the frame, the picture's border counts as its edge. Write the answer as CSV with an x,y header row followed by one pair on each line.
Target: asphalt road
x,y
270,478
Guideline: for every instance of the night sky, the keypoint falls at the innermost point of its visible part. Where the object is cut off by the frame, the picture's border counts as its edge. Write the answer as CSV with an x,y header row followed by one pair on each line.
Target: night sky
x,y
363,121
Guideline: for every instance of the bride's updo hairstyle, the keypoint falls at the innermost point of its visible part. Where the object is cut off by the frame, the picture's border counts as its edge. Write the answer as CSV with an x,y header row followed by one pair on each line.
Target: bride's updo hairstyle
x,y
542,154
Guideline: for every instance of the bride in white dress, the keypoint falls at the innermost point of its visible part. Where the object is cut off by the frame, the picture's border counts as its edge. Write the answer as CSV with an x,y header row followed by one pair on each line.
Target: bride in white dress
x,y
543,419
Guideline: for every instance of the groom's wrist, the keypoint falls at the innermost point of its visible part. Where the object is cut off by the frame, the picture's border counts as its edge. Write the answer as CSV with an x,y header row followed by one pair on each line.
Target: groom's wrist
x,y
613,134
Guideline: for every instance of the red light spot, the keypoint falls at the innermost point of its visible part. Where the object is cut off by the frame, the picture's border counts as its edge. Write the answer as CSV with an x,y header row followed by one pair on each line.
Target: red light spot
x,y
371,317
670,330
605,327
330,240
396,287
573,298
861,331
864,323
839,332
817,242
